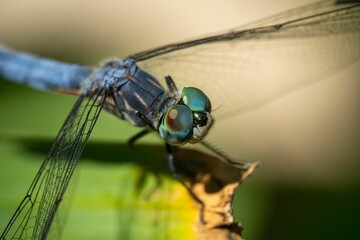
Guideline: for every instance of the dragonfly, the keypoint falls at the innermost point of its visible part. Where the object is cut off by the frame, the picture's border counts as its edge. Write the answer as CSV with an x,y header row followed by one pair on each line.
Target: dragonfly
x,y
172,90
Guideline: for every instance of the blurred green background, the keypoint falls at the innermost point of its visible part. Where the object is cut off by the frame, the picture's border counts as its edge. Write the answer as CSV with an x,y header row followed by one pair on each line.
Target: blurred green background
x,y
301,190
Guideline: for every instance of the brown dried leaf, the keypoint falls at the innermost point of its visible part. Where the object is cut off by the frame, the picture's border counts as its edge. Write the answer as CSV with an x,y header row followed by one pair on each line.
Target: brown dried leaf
x,y
214,182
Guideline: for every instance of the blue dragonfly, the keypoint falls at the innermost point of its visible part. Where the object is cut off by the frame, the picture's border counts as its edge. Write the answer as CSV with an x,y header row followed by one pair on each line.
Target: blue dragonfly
x,y
143,89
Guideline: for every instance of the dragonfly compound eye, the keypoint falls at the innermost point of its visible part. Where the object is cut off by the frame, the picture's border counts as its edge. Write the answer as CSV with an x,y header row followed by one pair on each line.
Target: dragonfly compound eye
x,y
196,100
176,126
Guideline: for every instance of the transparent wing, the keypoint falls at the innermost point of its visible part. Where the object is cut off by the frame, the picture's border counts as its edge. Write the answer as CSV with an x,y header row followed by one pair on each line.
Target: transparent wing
x,y
33,217
244,69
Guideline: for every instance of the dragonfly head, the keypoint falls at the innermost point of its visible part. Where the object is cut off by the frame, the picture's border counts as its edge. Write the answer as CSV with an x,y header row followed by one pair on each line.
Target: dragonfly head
x,y
189,120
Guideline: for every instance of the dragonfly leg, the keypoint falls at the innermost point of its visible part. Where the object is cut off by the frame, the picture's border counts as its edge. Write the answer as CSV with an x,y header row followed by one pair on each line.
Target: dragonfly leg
x,y
170,159
241,165
131,144
146,120
171,84
133,139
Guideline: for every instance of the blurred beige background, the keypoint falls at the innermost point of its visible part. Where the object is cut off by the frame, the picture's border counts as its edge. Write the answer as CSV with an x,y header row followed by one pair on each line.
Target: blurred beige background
x,y
117,28
312,134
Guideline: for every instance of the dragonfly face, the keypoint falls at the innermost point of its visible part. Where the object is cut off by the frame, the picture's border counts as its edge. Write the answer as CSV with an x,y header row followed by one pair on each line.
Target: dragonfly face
x,y
189,120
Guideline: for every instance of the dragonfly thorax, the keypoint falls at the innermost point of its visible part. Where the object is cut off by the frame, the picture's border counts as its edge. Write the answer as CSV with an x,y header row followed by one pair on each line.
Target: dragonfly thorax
x,y
138,97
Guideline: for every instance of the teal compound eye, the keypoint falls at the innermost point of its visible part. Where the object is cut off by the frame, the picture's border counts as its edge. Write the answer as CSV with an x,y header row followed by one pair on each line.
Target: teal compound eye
x,y
176,125
197,101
